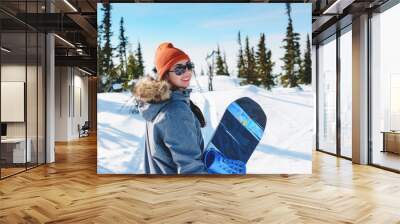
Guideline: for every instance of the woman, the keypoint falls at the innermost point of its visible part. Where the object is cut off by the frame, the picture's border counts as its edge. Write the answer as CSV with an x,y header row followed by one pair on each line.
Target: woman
x,y
174,143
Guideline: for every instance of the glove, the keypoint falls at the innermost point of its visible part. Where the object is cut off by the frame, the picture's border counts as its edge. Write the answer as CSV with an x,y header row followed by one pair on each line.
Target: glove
x,y
217,163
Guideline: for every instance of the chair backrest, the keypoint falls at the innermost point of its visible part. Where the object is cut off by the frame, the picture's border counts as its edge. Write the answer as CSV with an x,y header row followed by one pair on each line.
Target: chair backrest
x,y
86,125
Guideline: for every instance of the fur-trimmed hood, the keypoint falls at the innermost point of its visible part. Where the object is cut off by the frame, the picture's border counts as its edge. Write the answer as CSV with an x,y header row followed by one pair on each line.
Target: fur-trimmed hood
x,y
153,95
149,90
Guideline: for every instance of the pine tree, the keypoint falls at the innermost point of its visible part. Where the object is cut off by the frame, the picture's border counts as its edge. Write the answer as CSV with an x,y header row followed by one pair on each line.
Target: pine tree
x,y
219,63
100,56
249,63
132,67
123,42
298,60
241,63
291,58
270,81
107,50
226,70
113,74
264,65
139,57
253,66
305,74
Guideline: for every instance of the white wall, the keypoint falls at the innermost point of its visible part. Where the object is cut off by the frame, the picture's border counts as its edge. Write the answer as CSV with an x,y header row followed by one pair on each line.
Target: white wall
x,y
14,72
12,100
62,81
33,126
81,82
17,73
70,84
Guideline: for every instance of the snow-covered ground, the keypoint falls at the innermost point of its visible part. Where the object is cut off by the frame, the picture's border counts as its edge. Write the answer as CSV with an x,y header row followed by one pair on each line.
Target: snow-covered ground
x,y
284,148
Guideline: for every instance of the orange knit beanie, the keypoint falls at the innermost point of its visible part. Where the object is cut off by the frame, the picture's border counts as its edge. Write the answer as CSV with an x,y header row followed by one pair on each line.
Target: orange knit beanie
x,y
166,56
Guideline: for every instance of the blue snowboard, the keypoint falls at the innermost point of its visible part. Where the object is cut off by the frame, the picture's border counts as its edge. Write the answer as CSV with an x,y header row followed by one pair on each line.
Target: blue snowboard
x,y
236,137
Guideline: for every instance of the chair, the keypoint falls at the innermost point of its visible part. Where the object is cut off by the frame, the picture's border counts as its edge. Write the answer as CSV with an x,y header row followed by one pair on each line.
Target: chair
x,y
84,130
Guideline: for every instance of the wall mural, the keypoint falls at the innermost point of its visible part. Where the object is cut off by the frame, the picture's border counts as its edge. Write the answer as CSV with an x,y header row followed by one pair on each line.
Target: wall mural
x,y
204,88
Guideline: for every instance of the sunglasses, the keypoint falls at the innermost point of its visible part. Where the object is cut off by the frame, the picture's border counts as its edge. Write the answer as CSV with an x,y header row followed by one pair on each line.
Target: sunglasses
x,y
180,68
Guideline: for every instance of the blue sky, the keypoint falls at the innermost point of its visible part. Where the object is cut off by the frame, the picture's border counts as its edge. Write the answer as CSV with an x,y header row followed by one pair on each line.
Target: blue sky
x,y
199,28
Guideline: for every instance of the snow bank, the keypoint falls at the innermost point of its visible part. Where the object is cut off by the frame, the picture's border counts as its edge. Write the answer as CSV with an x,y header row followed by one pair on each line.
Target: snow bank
x,y
285,147
219,83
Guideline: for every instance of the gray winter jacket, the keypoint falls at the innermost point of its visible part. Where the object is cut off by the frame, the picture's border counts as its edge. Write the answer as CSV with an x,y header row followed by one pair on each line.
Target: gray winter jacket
x,y
174,143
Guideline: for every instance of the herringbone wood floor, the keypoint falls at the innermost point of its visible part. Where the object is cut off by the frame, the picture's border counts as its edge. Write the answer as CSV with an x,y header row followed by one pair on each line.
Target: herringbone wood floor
x,y
70,191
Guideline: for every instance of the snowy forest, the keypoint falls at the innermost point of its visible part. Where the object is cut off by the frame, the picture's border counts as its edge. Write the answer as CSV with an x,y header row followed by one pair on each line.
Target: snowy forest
x,y
254,64
273,71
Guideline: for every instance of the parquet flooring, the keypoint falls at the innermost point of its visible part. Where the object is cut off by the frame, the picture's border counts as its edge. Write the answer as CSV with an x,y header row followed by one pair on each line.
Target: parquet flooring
x,y
70,191
10,171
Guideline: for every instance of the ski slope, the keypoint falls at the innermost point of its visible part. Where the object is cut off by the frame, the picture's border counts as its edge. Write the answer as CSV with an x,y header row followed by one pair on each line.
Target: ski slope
x,y
285,147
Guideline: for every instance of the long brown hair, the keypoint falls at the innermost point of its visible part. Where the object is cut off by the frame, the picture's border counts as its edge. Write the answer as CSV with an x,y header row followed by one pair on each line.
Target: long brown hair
x,y
165,77
193,107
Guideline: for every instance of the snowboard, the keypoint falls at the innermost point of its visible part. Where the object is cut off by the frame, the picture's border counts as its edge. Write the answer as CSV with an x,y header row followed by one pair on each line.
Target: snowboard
x,y
236,137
